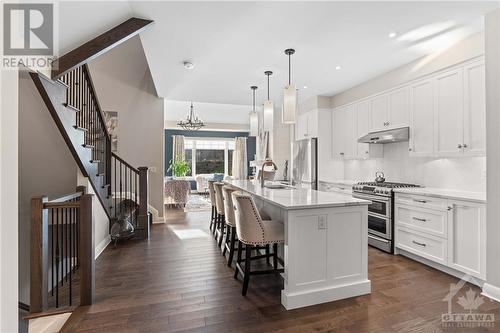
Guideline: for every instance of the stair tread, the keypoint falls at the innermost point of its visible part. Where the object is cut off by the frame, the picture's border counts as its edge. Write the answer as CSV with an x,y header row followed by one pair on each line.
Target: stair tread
x,y
95,161
72,107
80,128
85,145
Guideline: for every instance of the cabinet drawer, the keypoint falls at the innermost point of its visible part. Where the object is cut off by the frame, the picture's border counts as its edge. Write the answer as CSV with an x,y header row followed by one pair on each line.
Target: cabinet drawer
x,y
421,219
421,201
429,247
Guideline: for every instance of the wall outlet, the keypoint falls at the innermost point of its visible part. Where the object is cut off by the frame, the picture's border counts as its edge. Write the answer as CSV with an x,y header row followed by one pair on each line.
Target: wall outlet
x,y
322,223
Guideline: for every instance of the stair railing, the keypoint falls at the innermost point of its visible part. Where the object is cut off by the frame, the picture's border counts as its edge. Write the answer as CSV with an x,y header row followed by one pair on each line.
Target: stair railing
x,y
62,252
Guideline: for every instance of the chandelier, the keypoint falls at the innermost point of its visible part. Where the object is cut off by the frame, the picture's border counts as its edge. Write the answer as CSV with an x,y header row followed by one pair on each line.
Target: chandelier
x,y
191,123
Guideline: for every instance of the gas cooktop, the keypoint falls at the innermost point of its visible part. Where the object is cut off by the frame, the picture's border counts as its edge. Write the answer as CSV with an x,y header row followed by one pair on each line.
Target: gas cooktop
x,y
380,188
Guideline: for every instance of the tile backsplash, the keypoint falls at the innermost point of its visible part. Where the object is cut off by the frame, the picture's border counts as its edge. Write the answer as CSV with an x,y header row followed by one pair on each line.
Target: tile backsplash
x,y
464,173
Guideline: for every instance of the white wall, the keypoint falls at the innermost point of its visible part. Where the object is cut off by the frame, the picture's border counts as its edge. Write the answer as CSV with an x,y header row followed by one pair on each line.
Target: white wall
x,y
209,112
123,83
492,30
8,201
46,167
453,173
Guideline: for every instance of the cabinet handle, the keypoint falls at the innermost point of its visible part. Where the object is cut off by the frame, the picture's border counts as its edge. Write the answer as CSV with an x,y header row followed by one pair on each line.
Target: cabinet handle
x,y
459,146
421,244
341,153
421,201
419,219
449,208
409,149
464,145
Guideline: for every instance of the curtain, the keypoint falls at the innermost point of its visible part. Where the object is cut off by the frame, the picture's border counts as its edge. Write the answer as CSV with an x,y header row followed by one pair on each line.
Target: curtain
x,y
178,148
240,169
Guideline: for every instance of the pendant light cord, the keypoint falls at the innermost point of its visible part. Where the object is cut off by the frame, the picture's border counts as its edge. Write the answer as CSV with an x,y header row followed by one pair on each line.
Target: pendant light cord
x,y
289,69
253,99
267,86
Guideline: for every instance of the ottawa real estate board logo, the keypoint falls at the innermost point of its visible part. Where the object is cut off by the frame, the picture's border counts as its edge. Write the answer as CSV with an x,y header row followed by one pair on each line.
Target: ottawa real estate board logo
x,y
469,314
28,35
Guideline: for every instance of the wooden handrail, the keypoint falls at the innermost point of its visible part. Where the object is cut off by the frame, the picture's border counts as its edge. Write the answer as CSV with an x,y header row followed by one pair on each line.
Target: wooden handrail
x,y
66,204
125,163
66,197
98,46
94,93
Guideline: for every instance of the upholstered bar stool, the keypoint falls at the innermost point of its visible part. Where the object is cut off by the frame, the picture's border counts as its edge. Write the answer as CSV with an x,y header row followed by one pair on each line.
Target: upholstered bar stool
x,y
255,233
219,205
211,193
230,244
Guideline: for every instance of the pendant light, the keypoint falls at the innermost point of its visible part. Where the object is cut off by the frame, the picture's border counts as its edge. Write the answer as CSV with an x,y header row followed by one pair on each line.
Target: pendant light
x,y
268,107
289,95
254,117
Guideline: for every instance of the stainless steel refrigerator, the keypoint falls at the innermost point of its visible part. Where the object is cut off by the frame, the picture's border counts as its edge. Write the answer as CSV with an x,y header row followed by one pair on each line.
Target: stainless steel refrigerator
x,y
305,163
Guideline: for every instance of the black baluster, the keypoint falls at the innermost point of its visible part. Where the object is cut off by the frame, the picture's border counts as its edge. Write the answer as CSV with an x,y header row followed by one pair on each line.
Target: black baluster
x,y
52,251
57,257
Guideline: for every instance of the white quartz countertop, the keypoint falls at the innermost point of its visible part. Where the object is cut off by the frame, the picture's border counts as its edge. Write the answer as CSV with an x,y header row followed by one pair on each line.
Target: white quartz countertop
x,y
445,193
340,182
297,198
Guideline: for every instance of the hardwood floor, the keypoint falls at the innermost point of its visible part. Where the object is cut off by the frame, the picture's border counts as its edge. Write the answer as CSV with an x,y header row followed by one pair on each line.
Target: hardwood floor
x,y
169,284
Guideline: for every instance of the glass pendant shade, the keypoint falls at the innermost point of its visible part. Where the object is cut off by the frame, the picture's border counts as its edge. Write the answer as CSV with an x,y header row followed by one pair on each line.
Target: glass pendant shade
x,y
268,115
254,123
289,105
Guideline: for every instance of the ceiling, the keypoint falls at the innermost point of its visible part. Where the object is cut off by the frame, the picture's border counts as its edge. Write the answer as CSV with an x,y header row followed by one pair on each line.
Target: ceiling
x,y
233,43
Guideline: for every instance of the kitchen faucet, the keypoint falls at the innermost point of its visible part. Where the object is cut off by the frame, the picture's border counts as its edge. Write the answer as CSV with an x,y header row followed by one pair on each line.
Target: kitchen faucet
x,y
268,162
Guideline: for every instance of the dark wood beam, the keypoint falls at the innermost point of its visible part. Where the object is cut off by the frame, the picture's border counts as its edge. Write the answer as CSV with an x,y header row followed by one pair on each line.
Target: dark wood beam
x,y
98,46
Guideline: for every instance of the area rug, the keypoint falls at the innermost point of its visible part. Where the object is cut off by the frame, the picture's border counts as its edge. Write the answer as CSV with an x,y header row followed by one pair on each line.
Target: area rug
x,y
197,203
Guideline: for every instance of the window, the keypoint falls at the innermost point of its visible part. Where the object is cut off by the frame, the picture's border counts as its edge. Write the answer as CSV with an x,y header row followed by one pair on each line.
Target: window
x,y
209,155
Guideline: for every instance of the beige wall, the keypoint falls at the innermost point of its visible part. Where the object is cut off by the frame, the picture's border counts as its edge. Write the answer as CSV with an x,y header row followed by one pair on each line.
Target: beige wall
x,y
8,201
123,83
46,166
492,32
470,47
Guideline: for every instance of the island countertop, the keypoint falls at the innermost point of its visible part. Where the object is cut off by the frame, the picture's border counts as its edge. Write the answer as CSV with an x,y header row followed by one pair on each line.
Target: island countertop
x,y
296,198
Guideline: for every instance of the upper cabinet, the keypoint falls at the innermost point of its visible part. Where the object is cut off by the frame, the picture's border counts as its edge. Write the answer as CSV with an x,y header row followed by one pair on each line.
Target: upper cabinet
x,y
445,111
449,109
474,143
307,125
389,110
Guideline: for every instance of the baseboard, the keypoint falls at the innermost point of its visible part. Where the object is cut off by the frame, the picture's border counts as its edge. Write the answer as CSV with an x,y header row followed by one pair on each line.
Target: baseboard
x,y
491,292
324,295
102,246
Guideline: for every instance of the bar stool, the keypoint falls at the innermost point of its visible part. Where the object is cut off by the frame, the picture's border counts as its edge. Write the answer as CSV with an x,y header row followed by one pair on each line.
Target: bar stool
x,y
254,233
230,223
219,205
211,193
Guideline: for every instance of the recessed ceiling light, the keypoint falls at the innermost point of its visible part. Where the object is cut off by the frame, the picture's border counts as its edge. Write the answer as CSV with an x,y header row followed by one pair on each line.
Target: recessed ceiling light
x,y
392,34
188,65
338,67
305,87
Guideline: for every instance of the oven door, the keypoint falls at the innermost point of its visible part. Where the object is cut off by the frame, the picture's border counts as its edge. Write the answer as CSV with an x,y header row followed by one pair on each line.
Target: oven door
x,y
379,215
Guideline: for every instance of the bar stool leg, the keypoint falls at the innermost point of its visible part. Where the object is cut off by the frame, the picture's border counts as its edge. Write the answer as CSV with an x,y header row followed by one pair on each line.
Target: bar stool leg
x,y
232,243
228,232
267,255
222,227
238,260
246,276
212,219
275,256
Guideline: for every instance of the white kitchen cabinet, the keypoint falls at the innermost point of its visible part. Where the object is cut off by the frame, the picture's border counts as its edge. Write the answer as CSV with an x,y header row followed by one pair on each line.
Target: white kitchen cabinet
x,y
474,143
307,125
399,111
379,110
448,115
422,118
344,132
447,231
467,237
362,124
389,110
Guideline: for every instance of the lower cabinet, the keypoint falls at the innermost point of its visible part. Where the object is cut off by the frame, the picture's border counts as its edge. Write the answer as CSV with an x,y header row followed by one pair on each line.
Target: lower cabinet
x,y
453,236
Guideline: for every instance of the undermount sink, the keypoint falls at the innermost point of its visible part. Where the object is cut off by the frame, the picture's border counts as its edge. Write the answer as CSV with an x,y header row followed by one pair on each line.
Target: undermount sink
x,y
278,186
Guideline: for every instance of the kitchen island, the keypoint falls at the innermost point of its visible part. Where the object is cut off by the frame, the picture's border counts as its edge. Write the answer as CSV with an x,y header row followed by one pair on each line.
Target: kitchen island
x,y
326,242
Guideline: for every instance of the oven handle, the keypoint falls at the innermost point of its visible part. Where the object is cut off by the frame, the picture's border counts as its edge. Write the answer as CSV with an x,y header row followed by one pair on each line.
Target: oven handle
x,y
378,239
370,197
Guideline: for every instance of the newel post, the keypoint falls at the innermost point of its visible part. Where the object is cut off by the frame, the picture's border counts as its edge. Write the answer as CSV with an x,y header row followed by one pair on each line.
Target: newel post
x,y
143,218
39,261
86,251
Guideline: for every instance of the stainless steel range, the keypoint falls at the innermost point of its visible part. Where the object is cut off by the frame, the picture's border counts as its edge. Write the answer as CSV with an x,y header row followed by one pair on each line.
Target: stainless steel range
x,y
380,211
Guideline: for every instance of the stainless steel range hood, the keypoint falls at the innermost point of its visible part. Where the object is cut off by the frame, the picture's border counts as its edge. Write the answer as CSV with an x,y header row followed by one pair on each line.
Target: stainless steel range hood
x,y
387,136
